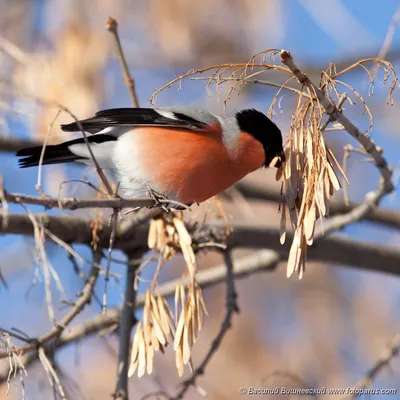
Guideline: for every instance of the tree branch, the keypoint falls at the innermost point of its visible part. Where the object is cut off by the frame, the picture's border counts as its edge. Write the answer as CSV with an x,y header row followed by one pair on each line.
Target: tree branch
x,y
112,26
257,192
260,261
382,363
74,204
342,251
125,328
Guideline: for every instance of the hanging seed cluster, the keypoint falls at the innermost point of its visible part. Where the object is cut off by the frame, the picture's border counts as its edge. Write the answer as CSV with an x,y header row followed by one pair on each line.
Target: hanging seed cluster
x,y
308,181
158,328
168,235
152,334
189,322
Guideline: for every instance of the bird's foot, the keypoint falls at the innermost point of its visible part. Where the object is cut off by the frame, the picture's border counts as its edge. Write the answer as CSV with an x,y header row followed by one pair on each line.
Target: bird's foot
x,y
159,199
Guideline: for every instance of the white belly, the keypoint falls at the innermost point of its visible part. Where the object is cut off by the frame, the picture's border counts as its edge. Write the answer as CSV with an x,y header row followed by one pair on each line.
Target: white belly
x,y
134,182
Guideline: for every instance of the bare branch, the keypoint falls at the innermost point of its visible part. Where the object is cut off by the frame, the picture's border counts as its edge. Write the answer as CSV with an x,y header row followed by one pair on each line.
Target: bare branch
x,y
74,204
112,26
342,251
125,328
99,171
383,52
51,373
250,81
261,192
114,222
381,364
220,69
335,250
260,261
39,178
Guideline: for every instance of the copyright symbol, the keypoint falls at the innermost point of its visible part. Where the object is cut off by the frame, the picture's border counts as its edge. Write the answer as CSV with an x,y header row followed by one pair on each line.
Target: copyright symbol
x,y
243,390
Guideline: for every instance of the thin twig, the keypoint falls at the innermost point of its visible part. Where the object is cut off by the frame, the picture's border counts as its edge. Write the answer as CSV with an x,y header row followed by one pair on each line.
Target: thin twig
x,y
381,364
125,328
256,191
100,172
87,183
346,156
219,68
127,317
39,177
3,279
112,26
347,150
341,101
114,223
4,203
16,335
250,81
388,38
80,127
259,261
74,204
43,261
51,373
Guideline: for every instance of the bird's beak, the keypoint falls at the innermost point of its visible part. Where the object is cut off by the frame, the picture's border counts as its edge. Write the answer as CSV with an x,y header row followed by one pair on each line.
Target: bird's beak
x,y
278,160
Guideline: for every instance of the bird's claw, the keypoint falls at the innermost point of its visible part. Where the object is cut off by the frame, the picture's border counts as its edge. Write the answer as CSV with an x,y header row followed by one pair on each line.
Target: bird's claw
x,y
159,199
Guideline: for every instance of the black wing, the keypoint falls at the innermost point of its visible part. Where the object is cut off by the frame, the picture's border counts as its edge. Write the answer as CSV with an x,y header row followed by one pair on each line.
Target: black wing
x,y
134,116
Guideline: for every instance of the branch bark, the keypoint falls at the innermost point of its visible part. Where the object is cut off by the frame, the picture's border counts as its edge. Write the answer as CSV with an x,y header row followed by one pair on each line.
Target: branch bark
x,y
125,328
383,217
112,26
382,363
342,251
74,204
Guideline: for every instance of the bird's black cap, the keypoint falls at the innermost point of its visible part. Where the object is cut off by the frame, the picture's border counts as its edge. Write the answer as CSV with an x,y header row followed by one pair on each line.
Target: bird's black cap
x,y
265,131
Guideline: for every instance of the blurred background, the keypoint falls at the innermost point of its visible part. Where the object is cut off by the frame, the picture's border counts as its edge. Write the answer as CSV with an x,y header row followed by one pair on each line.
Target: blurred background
x,y
327,329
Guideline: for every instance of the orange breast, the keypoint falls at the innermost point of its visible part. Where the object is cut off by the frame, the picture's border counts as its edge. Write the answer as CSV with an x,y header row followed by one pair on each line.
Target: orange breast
x,y
195,166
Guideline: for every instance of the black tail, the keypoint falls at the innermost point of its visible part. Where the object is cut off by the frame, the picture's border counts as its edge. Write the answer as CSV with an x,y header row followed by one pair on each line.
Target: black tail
x,y
53,155
56,154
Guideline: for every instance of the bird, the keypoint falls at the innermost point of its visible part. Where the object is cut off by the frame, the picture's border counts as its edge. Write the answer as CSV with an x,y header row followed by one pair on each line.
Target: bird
x,y
183,153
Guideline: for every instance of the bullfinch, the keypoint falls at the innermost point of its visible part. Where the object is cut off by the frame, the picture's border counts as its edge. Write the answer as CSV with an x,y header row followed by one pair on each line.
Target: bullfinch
x,y
184,153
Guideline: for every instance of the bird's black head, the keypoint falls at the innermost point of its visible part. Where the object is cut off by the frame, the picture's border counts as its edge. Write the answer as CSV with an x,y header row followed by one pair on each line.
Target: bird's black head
x,y
265,131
